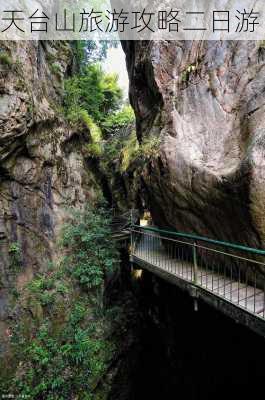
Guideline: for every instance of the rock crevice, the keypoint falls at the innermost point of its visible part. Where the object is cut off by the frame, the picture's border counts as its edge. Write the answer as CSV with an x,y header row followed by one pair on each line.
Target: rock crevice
x,y
207,177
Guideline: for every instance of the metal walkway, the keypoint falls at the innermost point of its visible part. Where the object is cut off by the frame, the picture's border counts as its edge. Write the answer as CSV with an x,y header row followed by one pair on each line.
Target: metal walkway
x,y
226,275
121,223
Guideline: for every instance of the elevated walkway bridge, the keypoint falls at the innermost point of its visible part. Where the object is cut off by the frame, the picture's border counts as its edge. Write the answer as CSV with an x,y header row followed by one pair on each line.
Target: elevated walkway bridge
x,y
227,276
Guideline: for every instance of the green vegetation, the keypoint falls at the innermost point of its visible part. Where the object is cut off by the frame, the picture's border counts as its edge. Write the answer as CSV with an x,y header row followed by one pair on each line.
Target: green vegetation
x,y
79,53
92,91
94,148
118,120
42,289
90,51
129,151
150,147
132,151
94,98
66,366
55,69
15,255
90,250
63,352
185,75
59,348
5,59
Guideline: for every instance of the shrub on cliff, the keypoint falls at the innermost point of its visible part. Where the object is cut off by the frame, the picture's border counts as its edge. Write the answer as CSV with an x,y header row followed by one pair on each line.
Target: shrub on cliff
x,y
118,120
63,352
92,91
90,249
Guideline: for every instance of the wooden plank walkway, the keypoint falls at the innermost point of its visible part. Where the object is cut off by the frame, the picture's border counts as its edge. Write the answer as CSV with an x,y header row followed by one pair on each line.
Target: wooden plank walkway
x,y
242,295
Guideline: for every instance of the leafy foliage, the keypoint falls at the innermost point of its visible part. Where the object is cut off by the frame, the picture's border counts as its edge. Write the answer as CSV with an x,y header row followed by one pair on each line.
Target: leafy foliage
x,y
41,283
94,148
185,75
149,148
66,359
128,150
94,98
87,239
63,366
56,69
15,255
118,120
91,51
122,149
92,91
5,59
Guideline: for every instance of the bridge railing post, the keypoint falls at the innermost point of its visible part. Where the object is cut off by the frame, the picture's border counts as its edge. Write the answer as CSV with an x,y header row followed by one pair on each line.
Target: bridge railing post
x,y
195,264
131,218
132,243
132,234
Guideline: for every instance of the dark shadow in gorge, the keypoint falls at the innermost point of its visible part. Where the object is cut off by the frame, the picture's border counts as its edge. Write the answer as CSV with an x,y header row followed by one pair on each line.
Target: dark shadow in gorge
x,y
182,354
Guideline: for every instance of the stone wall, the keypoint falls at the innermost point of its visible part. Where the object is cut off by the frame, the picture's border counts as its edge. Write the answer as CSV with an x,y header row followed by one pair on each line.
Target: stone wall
x,y
205,101
42,168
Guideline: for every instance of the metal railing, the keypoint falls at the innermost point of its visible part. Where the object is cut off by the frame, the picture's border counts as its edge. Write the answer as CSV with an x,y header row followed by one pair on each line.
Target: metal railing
x,y
233,272
123,221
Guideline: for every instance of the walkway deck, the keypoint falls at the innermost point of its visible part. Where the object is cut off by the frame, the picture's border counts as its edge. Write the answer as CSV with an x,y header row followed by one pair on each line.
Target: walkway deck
x,y
172,259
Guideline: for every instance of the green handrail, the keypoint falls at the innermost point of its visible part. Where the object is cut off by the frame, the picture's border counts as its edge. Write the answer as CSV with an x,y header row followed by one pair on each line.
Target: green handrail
x,y
203,239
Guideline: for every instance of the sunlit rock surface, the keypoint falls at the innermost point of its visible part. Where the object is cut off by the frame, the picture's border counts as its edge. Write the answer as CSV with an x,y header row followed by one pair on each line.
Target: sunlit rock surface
x,y
206,101
42,169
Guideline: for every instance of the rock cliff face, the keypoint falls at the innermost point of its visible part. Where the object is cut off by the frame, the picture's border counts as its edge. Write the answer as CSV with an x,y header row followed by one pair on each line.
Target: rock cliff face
x,y
205,100
42,170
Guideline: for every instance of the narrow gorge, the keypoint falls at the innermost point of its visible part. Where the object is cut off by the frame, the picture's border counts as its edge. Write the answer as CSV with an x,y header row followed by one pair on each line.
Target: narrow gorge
x,y
78,321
